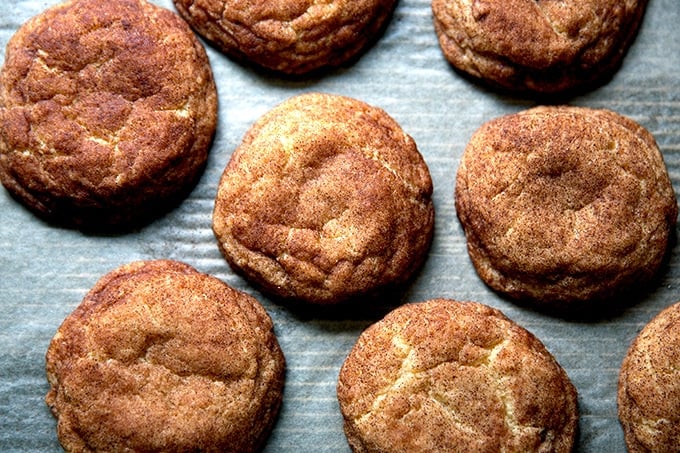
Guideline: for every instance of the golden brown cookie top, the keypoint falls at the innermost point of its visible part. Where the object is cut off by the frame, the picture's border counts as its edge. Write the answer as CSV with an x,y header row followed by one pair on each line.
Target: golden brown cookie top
x,y
289,36
160,357
542,46
104,106
326,198
564,203
649,386
443,375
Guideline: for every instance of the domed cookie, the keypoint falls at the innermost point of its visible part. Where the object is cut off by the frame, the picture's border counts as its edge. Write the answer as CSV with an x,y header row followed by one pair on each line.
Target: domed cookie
x,y
325,199
564,204
649,386
107,111
160,357
289,36
537,46
443,375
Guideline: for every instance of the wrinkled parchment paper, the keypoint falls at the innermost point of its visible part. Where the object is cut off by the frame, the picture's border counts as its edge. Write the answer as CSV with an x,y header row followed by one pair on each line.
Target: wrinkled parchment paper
x,y
45,271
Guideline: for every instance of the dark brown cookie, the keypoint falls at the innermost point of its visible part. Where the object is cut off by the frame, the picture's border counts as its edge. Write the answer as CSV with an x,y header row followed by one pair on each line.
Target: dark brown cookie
x,y
448,376
564,204
325,199
107,111
289,36
649,386
537,46
160,357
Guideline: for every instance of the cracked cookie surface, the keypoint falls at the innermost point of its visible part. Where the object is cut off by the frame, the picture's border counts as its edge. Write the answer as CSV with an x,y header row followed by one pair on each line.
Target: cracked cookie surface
x,y
289,36
649,386
325,199
564,204
160,357
444,375
107,111
544,46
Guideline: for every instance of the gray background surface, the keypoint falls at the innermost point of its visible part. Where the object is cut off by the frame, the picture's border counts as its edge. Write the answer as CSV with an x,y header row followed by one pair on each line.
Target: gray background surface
x,y
45,271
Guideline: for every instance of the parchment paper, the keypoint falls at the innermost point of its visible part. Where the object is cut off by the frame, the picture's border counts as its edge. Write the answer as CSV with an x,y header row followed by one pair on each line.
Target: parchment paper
x,y
45,271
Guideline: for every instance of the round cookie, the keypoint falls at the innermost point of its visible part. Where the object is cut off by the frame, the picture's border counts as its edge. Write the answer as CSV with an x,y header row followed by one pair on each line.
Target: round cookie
x,y
649,386
564,204
107,111
289,36
325,199
160,357
443,375
537,46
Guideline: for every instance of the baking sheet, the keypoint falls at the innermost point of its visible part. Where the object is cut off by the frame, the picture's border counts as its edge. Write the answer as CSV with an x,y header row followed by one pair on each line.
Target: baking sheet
x,y
45,271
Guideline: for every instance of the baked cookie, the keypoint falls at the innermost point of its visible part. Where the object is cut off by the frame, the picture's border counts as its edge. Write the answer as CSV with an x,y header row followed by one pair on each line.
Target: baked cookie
x,y
537,46
649,386
325,199
443,375
160,357
564,204
107,111
289,36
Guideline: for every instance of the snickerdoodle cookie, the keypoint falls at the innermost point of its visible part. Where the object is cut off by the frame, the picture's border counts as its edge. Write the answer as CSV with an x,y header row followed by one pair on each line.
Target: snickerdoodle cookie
x,y
537,46
649,386
160,357
107,111
564,204
289,36
451,376
326,198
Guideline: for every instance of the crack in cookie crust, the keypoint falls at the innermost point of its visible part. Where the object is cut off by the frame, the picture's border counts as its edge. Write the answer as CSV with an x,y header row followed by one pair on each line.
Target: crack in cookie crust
x,y
326,198
648,385
104,107
160,356
454,376
293,37
564,204
536,46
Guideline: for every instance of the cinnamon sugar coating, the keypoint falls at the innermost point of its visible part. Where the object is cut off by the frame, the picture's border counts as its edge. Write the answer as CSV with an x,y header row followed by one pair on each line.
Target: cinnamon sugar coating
x,y
289,36
326,199
160,357
565,204
542,46
444,375
649,386
107,112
